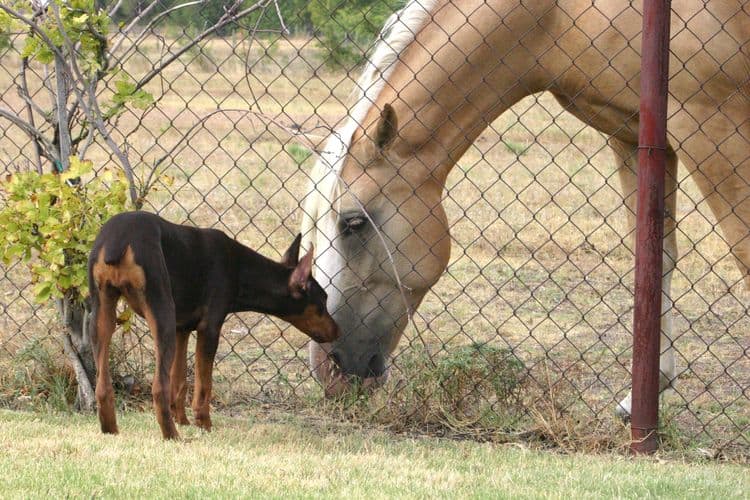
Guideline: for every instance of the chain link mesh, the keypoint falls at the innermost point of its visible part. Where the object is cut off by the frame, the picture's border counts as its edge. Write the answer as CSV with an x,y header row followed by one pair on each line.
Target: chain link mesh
x,y
541,263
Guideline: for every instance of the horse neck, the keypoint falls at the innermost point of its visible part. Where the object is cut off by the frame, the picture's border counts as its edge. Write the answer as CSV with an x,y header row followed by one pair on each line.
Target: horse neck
x,y
463,82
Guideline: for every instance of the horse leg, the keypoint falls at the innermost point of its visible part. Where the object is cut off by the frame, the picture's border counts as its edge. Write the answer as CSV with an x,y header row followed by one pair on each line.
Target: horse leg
x,y
726,187
626,156
102,326
205,352
178,375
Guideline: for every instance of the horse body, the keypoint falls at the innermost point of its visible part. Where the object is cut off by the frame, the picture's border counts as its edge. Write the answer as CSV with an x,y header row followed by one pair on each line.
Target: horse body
x,y
442,73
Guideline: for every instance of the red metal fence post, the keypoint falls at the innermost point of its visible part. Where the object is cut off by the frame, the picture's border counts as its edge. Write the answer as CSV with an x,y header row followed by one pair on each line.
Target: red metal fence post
x,y
652,142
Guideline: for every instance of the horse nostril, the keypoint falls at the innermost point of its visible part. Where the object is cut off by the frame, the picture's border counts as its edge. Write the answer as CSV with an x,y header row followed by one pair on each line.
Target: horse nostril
x,y
376,366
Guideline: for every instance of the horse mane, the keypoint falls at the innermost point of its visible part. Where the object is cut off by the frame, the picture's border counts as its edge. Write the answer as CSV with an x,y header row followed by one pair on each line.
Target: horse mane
x,y
397,33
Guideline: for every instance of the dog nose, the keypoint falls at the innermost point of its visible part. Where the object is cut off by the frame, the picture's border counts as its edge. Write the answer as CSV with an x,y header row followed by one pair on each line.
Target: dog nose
x,y
376,365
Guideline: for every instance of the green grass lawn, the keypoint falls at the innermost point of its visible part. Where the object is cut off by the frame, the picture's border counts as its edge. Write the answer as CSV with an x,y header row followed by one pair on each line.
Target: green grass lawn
x,y
62,455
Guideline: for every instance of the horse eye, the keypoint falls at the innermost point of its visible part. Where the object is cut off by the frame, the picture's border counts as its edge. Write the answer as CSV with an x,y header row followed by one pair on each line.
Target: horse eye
x,y
354,223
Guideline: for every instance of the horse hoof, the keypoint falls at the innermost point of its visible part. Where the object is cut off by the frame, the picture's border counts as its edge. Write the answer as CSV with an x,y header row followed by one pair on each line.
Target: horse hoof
x,y
622,413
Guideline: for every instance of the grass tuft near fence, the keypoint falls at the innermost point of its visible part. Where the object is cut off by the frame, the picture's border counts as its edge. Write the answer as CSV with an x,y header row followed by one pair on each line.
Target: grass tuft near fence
x,y
37,378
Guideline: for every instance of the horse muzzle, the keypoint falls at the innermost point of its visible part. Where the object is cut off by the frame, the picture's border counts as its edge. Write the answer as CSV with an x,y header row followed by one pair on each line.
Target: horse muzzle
x,y
337,377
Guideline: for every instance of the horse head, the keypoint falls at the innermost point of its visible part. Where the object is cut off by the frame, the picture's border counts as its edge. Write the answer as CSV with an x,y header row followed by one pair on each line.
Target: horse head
x,y
384,242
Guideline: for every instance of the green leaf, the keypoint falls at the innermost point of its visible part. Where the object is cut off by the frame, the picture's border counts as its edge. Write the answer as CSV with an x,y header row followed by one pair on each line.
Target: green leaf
x,y
142,99
124,87
13,251
77,168
30,47
65,282
42,291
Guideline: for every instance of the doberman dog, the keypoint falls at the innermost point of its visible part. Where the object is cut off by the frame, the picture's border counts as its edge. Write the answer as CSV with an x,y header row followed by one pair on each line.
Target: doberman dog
x,y
180,279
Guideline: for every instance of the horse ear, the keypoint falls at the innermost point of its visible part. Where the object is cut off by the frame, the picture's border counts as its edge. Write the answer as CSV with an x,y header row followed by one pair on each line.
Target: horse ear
x,y
291,256
301,274
387,128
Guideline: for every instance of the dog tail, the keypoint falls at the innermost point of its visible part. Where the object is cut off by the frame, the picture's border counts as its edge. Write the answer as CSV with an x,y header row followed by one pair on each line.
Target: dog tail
x,y
114,251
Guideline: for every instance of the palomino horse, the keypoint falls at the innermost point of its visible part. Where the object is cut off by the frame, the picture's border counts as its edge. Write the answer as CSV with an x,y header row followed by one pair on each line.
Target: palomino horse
x,y
441,73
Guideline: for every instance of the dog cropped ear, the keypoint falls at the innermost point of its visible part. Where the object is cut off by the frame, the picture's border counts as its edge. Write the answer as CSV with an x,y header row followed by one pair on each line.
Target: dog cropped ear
x,y
387,129
291,256
301,274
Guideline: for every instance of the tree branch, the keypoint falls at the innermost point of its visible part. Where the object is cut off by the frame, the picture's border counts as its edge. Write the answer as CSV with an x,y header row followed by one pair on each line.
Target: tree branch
x,y
124,32
311,141
35,28
88,143
114,8
87,401
63,130
23,91
86,395
284,29
227,18
147,185
145,30
91,110
32,131
247,60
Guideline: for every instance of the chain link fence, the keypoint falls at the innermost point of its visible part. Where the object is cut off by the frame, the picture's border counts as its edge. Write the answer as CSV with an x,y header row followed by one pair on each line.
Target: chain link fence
x,y
533,314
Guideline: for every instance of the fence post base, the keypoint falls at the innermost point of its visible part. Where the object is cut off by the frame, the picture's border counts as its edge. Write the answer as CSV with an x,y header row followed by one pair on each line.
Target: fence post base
x,y
643,441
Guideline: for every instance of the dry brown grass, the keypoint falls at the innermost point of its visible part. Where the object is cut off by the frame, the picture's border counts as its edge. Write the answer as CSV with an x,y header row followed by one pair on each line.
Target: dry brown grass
x,y
540,261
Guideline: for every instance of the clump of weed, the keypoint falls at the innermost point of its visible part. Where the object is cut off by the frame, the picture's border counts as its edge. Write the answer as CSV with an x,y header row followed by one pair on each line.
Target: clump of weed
x,y
467,390
38,378
483,392
298,153
560,417
516,148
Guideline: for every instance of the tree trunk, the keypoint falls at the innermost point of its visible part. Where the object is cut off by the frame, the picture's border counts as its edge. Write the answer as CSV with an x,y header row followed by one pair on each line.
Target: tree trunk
x,y
77,344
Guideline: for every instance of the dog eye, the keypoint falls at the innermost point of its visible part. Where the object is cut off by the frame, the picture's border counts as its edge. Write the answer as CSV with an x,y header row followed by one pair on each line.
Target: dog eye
x,y
354,223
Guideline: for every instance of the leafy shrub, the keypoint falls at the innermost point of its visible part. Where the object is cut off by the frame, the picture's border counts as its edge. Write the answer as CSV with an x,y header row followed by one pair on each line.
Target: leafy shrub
x,y
56,219
85,26
477,375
